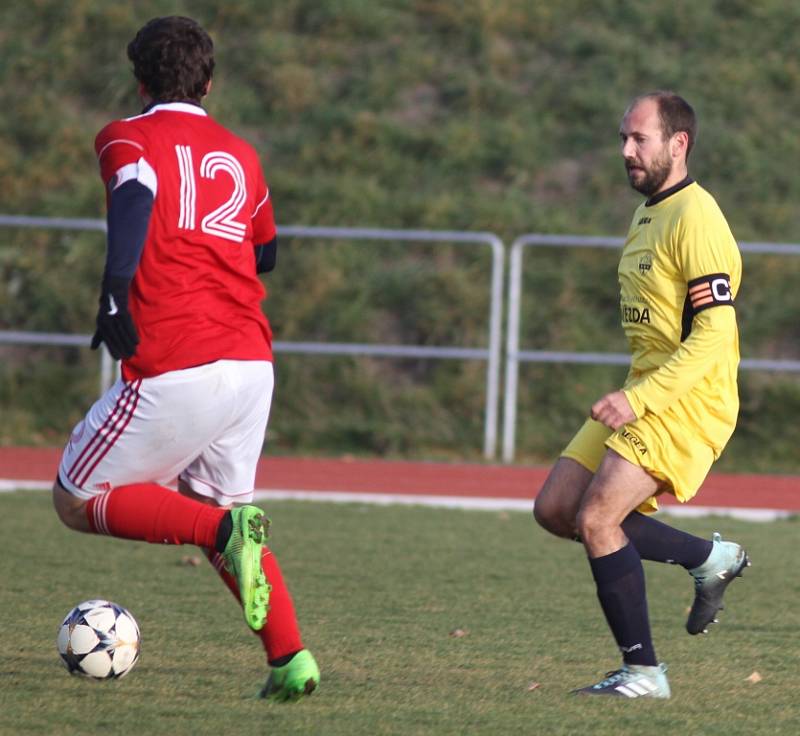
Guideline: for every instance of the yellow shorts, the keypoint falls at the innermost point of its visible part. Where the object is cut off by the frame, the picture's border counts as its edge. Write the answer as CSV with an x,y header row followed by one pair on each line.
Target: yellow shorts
x,y
666,449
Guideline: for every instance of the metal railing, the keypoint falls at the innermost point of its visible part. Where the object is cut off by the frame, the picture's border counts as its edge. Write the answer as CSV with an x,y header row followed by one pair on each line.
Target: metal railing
x,y
58,339
491,353
514,356
108,369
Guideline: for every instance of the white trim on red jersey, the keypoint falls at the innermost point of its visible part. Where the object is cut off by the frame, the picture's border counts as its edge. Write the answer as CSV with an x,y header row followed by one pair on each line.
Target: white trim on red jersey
x,y
172,107
258,207
118,140
141,171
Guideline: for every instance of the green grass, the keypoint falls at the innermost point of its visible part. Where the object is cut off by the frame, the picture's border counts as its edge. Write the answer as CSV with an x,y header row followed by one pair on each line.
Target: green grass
x,y
378,591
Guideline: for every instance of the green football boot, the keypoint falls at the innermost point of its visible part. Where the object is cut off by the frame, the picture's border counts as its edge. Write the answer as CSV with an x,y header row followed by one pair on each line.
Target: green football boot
x,y
298,677
632,681
242,557
725,563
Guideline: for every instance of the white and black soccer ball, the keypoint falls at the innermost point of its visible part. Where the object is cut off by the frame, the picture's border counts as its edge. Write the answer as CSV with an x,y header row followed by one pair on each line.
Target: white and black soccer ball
x,y
99,639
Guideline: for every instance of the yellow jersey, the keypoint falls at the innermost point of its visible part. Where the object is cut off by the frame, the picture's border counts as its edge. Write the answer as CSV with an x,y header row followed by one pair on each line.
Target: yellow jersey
x,y
679,274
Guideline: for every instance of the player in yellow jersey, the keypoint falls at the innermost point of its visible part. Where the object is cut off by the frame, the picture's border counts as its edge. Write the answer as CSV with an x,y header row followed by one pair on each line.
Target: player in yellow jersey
x,y
679,275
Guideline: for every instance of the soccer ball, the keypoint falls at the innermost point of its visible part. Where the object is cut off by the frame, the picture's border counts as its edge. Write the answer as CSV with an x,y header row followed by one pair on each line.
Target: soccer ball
x,y
99,639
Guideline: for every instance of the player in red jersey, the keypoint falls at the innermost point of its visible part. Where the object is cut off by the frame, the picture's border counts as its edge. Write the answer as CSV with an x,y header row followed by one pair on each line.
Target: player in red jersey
x,y
190,226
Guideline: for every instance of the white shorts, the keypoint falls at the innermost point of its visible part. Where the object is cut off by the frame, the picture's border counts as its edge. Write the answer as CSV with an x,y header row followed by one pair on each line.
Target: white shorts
x,y
205,425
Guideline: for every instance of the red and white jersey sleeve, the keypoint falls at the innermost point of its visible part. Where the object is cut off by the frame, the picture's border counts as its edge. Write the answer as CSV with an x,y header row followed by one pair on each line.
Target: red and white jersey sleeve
x,y
117,146
263,218
195,297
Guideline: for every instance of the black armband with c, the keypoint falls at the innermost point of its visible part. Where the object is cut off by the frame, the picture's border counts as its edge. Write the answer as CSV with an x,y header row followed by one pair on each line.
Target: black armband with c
x,y
710,291
713,290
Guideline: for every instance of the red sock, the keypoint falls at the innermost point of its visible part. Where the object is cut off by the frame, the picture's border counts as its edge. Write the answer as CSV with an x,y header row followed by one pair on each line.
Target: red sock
x,y
281,634
153,513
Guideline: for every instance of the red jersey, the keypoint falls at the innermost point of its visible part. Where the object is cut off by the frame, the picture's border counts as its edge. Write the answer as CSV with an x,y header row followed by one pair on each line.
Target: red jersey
x,y
195,297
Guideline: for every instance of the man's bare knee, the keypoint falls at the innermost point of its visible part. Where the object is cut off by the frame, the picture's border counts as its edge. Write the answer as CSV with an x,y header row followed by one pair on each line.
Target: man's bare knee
x,y
552,518
618,488
590,523
557,503
70,509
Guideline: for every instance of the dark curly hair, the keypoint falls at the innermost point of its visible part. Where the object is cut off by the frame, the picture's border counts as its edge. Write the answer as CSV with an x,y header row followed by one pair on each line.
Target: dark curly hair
x,y
173,57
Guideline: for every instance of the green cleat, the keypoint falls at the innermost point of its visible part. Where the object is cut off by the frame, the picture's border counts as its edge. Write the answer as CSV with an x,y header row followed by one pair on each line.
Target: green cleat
x,y
298,677
243,560
725,563
632,681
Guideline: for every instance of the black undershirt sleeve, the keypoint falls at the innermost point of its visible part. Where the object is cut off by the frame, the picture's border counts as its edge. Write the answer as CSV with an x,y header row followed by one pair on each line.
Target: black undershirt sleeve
x,y
129,209
266,255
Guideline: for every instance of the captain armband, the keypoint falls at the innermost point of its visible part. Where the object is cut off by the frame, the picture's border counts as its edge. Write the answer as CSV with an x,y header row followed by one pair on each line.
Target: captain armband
x,y
713,290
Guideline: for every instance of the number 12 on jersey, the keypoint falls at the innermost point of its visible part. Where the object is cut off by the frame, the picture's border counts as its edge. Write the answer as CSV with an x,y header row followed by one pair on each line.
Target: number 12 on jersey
x,y
221,221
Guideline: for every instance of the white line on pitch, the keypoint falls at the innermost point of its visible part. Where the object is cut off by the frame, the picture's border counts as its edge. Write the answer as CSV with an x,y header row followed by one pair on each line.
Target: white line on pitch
x,y
449,502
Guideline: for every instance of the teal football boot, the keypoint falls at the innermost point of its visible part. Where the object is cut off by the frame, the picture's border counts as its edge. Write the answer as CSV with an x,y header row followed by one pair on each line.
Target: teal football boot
x,y
725,563
632,681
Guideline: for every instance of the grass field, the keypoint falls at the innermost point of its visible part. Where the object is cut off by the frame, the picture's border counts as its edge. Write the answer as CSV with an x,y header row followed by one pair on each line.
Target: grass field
x,y
378,591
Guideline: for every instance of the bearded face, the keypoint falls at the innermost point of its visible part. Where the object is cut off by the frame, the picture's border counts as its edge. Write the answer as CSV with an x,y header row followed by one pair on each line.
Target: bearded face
x,y
645,150
646,177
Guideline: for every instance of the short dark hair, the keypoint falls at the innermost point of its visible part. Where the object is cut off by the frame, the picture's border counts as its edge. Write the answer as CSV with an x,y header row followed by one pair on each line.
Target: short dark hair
x,y
675,113
173,57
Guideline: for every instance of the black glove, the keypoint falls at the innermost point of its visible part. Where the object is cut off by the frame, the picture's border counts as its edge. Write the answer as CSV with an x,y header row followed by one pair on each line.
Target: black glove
x,y
114,324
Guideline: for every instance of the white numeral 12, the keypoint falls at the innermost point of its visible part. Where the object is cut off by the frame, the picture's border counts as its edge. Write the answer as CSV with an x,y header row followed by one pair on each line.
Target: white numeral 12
x,y
221,222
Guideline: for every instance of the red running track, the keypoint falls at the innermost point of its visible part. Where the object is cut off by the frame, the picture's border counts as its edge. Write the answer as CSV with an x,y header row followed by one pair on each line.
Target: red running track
x,y
464,480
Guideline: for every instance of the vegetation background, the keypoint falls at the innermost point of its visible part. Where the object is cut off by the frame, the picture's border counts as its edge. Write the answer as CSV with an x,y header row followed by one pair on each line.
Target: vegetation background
x,y
496,115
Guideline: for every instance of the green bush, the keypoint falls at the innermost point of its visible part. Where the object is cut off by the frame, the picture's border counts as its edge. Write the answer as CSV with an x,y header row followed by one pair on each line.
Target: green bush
x,y
476,115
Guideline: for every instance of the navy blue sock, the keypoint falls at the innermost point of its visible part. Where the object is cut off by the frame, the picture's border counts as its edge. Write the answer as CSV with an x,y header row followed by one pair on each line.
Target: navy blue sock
x,y
662,543
620,589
